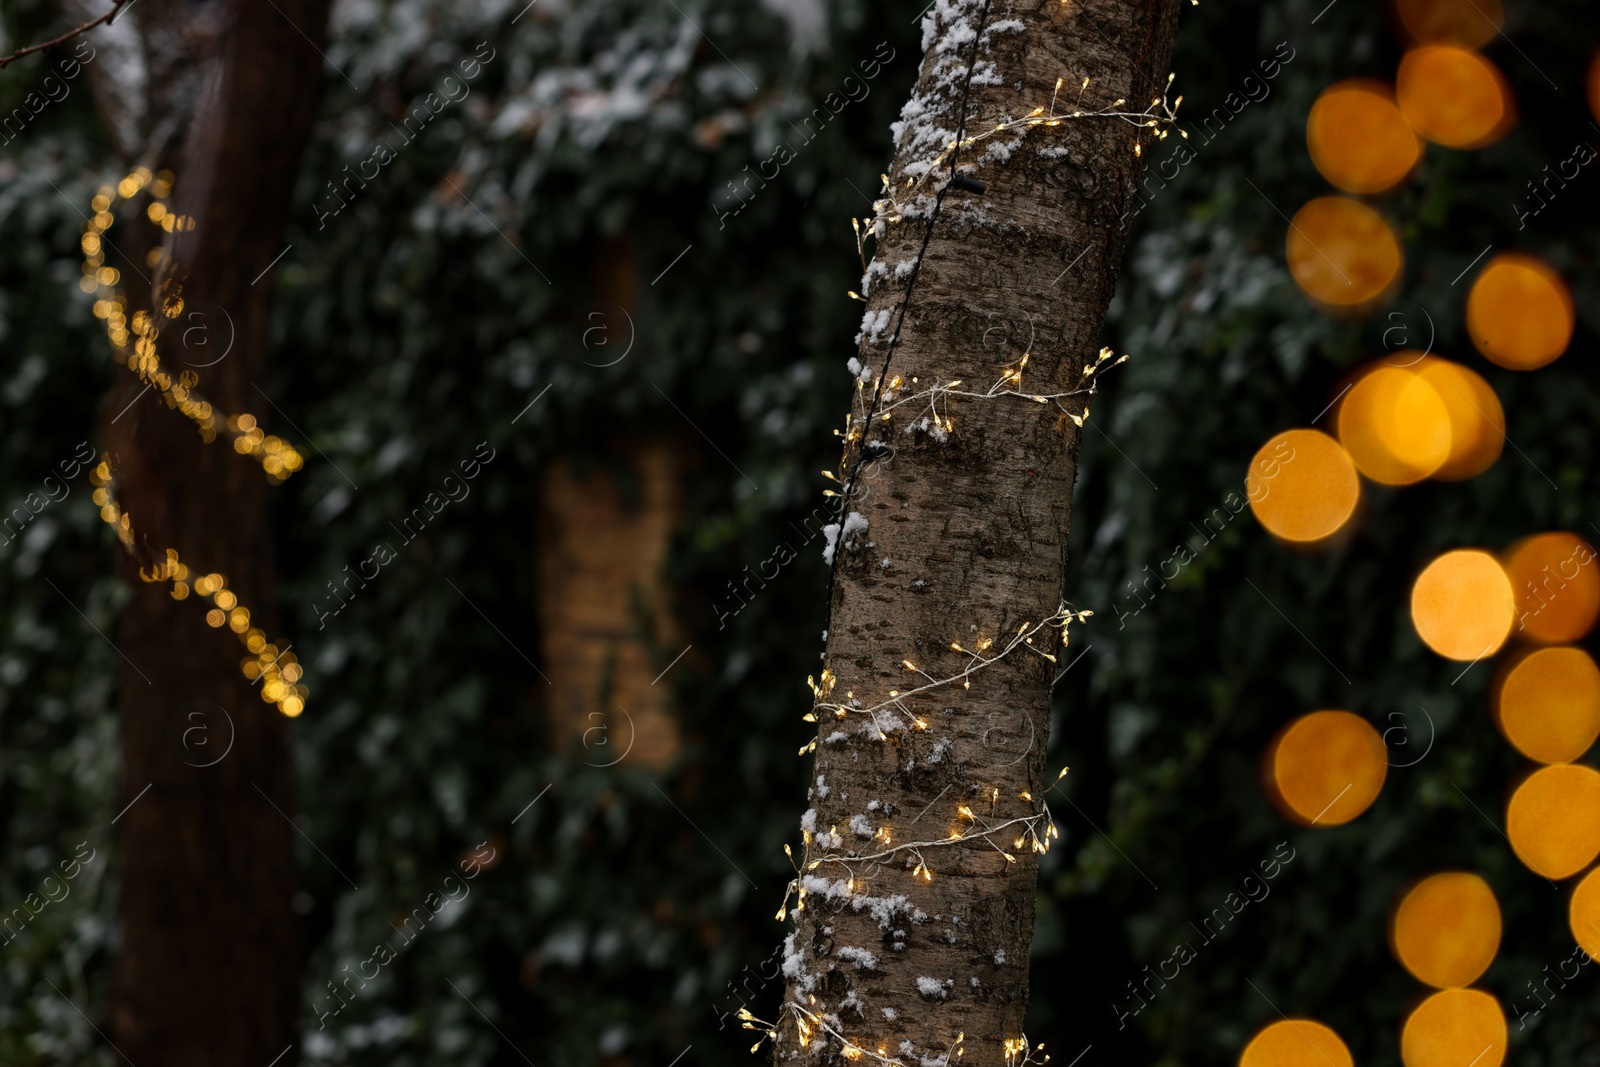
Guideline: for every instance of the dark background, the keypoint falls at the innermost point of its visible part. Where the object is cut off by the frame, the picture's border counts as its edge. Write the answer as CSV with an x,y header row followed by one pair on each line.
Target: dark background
x,y
408,330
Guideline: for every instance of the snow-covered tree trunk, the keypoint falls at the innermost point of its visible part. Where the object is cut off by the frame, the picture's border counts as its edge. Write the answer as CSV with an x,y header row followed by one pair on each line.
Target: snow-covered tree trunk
x,y
914,903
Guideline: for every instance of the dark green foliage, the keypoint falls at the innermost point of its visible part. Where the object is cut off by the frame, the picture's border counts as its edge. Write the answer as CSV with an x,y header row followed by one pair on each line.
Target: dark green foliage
x,y
1165,719
415,323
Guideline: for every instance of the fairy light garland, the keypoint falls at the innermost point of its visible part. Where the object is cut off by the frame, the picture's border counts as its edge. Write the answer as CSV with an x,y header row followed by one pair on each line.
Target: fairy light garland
x,y
275,668
977,660
806,1019
1019,1053
1009,384
1033,831
888,210
277,457
1036,829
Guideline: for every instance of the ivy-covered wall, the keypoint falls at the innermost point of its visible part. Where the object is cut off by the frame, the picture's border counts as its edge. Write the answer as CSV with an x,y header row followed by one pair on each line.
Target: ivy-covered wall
x,y
430,310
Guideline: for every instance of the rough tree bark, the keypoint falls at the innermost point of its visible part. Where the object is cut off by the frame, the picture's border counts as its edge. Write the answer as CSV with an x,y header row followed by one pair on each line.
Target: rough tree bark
x,y
208,964
909,952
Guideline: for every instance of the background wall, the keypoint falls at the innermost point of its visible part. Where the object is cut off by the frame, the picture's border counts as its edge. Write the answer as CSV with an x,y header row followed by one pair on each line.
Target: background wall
x,y
444,311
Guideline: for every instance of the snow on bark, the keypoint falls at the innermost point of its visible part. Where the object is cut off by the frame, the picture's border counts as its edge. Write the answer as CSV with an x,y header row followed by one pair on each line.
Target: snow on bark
x,y
972,512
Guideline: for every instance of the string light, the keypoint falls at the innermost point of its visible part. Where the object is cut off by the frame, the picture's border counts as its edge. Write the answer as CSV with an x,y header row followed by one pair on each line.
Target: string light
x,y
276,669
1158,116
933,403
277,457
1033,831
1019,1053
806,1020
977,660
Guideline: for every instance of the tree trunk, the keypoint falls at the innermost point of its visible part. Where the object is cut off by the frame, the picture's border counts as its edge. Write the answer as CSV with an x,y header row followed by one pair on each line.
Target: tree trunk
x,y
916,890
208,964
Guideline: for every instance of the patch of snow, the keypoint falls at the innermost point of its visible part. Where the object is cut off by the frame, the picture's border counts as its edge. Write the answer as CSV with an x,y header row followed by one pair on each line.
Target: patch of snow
x,y
794,964
864,960
834,534
874,325
882,909
875,268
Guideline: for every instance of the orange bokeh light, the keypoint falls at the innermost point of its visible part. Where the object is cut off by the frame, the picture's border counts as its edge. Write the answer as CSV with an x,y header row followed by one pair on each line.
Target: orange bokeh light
x,y
1553,819
1358,139
1453,96
1296,1043
1341,252
1455,1028
1519,313
1477,421
1557,586
1594,85
1447,929
1325,768
1471,23
1583,913
1461,605
1395,425
1547,704
1302,486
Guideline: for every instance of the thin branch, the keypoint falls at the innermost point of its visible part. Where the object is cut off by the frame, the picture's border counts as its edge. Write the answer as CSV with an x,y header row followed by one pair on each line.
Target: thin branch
x,y
116,6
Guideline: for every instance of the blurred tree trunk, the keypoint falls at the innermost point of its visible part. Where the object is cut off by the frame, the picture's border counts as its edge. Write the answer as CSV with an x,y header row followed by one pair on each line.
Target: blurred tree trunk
x,y
207,970
900,948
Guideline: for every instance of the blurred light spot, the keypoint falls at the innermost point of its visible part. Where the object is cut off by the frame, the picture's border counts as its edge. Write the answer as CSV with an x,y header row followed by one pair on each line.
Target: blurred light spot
x,y
1358,139
1341,252
1302,485
1447,929
1557,587
1455,1028
1548,704
1325,768
1519,313
1553,819
1453,96
1594,85
1477,421
1461,605
1296,1043
1395,425
1471,23
1583,913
